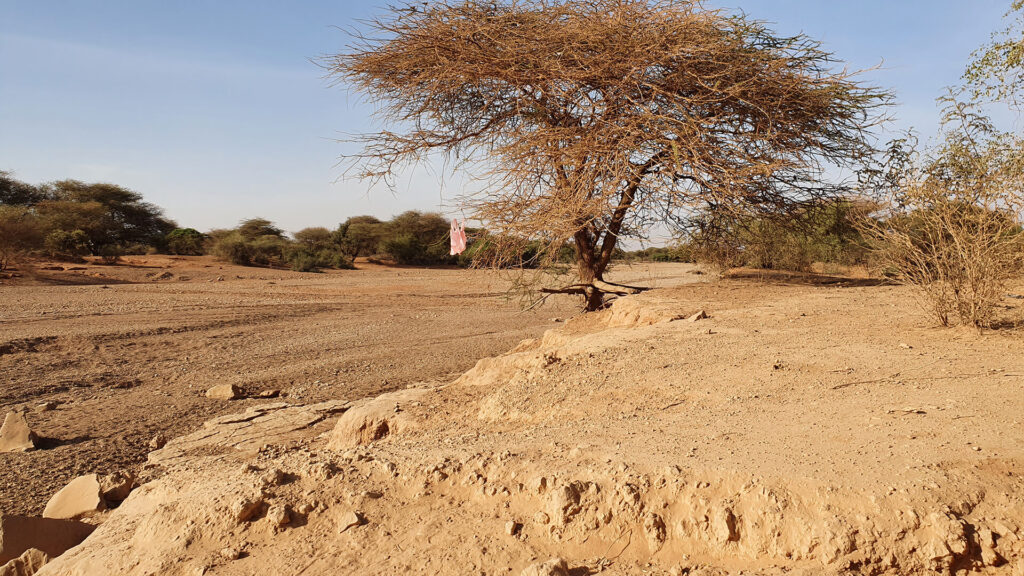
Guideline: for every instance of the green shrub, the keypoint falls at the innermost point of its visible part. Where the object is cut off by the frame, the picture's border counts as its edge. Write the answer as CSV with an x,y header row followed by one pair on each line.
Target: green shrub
x,y
404,249
303,259
232,248
185,241
65,244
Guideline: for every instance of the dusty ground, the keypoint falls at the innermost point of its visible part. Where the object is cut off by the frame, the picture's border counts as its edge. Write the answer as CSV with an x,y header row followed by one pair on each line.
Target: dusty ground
x,y
800,429
128,351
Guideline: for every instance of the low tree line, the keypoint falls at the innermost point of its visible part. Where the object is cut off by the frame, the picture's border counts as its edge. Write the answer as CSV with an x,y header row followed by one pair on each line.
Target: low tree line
x,y
70,219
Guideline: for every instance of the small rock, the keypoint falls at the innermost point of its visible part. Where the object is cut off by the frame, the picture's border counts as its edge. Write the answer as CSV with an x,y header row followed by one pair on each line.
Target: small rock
x,y
224,392
25,565
278,515
512,528
905,346
229,553
350,520
539,485
15,435
553,567
272,477
321,471
246,508
117,486
306,508
701,315
541,518
269,394
158,441
46,406
80,497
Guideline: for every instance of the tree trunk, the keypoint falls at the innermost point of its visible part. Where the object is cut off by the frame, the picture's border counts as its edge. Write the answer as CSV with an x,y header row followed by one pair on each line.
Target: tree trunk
x,y
589,269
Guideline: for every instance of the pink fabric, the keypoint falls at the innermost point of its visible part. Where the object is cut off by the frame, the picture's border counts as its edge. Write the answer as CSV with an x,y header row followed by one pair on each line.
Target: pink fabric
x,y
458,237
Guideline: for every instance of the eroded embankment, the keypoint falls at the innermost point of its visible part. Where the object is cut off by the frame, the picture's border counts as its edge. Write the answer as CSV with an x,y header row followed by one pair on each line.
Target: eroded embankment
x,y
623,443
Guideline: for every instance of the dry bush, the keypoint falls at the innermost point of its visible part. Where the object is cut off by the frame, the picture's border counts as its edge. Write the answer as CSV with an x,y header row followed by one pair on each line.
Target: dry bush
x,y
951,226
20,233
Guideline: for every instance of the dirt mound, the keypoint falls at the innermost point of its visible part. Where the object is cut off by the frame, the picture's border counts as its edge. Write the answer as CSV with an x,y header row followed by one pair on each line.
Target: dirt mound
x,y
753,441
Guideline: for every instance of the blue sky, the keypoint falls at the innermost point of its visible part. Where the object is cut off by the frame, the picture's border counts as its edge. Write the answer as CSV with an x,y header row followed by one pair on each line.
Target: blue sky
x,y
213,110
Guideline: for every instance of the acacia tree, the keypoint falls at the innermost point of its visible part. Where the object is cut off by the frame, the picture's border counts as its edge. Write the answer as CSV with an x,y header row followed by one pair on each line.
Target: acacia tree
x,y
995,70
593,120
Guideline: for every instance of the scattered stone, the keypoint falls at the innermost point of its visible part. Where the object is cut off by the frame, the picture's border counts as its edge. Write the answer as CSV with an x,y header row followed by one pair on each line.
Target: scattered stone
x,y
25,565
224,392
541,517
512,528
21,533
278,515
46,406
553,567
701,315
350,520
246,508
539,485
117,486
80,497
229,553
322,471
158,441
15,435
306,508
906,346
269,394
272,477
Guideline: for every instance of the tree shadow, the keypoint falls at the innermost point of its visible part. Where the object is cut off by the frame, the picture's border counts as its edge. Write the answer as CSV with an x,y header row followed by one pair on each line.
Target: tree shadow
x,y
788,278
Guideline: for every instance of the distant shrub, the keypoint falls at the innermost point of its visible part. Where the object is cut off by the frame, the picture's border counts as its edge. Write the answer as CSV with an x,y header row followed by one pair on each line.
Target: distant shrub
x,y
416,238
186,242
304,259
233,248
257,242
20,233
677,253
404,249
64,244
254,228
792,240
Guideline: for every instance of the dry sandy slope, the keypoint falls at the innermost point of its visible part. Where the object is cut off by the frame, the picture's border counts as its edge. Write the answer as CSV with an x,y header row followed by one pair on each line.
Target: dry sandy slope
x,y
799,429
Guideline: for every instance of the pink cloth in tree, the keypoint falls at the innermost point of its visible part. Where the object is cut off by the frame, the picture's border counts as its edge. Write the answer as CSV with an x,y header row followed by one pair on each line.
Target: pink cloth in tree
x,y
458,234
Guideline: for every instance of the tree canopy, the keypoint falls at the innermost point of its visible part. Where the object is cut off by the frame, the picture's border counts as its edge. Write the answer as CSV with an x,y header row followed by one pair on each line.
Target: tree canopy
x,y
592,120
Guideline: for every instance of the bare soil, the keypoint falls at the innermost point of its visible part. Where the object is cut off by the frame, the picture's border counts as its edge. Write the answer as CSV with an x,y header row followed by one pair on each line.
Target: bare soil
x,y
806,426
127,351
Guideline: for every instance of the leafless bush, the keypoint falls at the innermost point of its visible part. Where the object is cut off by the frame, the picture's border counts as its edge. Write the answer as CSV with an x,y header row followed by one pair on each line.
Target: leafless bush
x,y
951,226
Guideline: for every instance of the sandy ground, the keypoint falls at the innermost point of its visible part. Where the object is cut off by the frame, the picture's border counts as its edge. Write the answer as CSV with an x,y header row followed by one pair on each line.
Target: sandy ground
x,y
127,352
803,427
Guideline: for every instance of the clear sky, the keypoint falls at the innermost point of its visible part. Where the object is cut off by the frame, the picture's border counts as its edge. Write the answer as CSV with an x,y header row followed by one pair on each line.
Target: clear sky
x,y
213,110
